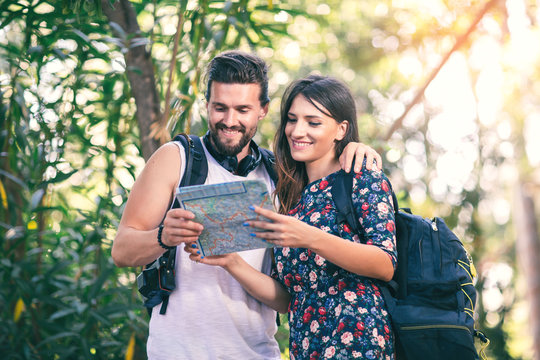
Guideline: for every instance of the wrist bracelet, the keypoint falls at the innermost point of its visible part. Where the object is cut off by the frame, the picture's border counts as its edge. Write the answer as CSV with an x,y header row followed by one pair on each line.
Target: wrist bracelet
x,y
166,247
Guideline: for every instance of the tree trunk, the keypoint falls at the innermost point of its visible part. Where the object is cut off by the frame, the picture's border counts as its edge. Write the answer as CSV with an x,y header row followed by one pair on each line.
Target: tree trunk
x,y
528,252
140,72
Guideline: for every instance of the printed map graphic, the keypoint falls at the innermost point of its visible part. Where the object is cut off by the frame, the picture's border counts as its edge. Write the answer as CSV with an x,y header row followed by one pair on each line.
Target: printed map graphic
x,y
222,209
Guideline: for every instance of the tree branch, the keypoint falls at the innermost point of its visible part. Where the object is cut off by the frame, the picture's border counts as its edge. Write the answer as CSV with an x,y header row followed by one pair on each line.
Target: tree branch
x,y
459,42
161,132
140,71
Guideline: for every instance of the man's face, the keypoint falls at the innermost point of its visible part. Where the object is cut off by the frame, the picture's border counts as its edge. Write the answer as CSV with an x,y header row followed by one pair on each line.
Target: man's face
x,y
234,111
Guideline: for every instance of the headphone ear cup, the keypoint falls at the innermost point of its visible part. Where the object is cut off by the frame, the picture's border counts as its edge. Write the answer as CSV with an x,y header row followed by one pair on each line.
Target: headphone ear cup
x,y
246,165
229,163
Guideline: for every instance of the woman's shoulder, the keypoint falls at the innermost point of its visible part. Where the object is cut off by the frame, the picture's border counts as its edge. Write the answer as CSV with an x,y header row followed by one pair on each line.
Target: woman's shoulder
x,y
371,180
373,173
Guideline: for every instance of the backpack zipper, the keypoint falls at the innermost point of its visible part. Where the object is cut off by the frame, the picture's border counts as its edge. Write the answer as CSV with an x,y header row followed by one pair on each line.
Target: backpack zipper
x,y
438,239
440,326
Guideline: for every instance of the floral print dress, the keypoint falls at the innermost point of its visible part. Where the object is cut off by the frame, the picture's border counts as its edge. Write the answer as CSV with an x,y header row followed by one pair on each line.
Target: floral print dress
x,y
334,313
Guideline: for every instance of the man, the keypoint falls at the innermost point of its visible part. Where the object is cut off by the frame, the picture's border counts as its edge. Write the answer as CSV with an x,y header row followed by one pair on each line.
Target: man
x,y
209,314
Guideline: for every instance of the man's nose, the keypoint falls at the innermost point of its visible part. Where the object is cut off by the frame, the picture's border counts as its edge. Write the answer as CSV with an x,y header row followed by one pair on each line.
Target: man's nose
x,y
229,118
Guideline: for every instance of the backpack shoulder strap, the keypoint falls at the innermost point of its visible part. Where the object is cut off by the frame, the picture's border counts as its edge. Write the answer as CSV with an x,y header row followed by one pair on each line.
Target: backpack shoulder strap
x,y
196,165
194,174
269,161
398,284
342,196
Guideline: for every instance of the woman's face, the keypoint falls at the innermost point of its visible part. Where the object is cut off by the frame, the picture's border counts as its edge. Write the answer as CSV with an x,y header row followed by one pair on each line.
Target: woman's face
x,y
311,133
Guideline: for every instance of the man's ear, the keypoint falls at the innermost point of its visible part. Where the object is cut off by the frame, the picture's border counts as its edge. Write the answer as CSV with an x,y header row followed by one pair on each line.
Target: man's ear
x,y
264,111
342,130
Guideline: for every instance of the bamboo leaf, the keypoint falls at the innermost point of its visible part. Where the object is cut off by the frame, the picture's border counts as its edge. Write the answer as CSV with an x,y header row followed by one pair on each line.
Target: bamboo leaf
x,y
19,308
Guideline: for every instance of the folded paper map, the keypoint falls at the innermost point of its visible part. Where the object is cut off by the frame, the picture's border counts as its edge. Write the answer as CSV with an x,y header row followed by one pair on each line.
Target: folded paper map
x,y
222,209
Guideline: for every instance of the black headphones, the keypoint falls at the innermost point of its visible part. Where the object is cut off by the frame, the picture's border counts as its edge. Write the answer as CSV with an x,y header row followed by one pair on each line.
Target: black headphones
x,y
230,163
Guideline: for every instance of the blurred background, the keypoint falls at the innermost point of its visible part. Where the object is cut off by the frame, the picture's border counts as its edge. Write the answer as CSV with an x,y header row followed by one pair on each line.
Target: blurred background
x,y
448,92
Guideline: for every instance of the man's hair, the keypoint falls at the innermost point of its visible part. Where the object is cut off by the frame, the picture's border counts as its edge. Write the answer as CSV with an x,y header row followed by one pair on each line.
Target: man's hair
x,y
237,67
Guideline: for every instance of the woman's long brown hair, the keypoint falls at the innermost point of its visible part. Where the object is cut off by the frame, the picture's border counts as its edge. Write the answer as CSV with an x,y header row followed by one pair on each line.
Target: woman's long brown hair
x,y
338,103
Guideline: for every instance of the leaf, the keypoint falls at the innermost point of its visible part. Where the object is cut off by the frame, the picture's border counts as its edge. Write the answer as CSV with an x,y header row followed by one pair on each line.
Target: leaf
x,y
82,35
130,351
36,198
98,284
118,29
19,308
61,313
139,41
14,179
60,335
100,318
60,176
3,196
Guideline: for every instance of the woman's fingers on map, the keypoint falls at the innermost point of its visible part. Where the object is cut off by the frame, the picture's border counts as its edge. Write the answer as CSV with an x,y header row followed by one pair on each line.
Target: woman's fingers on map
x,y
189,249
262,211
259,224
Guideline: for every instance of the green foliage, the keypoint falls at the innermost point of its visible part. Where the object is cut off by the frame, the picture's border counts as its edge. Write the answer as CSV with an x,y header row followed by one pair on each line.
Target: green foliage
x,y
70,145
62,298
205,29
69,154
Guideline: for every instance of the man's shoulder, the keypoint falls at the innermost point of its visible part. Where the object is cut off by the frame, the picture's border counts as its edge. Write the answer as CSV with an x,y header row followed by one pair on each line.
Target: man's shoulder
x,y
167,151
266,152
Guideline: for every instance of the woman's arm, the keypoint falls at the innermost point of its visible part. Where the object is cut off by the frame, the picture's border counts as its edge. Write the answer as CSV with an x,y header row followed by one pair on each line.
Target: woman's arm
x,y
361,259
259,285
376,258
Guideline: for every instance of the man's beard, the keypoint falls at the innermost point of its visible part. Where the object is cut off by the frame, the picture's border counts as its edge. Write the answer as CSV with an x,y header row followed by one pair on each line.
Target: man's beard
x,y
235,149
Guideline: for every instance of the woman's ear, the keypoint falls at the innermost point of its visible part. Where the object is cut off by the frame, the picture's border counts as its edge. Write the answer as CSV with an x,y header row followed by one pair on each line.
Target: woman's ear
x,y
342,130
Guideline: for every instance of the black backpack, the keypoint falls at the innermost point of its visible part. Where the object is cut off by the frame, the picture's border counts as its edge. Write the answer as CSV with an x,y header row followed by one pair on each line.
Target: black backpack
x,y
157,280
431,297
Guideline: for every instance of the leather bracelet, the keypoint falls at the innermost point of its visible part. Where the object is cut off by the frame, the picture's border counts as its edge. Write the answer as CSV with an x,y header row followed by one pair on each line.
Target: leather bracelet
x,y
166,247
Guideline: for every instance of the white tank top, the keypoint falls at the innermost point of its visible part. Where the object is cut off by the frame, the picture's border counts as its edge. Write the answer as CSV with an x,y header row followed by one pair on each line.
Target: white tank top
x,y
210,315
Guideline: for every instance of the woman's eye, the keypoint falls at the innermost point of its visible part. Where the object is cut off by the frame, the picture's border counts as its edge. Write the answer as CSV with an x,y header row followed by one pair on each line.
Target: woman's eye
x,y
291,120
314,123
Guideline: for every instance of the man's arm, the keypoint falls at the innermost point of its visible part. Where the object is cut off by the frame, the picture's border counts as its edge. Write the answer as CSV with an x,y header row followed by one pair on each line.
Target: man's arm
x,y
136,243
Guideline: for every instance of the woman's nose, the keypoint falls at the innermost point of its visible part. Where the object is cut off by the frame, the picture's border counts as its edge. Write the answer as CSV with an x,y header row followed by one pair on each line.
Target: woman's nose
x,y
298,129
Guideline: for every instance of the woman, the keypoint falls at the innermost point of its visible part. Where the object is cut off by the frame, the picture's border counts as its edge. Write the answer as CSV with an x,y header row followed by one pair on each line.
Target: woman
x,y
327,280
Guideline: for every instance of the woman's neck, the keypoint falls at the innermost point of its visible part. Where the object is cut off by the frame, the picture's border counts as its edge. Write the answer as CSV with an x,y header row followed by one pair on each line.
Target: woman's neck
x,y
316,170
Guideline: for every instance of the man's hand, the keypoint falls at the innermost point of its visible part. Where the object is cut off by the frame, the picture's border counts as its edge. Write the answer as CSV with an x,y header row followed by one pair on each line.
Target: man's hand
x,y
179,228
358,151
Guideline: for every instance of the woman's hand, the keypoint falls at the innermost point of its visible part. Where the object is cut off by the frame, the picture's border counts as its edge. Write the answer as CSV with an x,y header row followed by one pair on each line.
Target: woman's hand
x,y
225,261
259,285
283,230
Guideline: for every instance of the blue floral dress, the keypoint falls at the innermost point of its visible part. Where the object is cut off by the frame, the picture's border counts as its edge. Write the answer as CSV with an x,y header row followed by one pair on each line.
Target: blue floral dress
x,y
334,313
